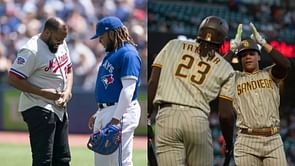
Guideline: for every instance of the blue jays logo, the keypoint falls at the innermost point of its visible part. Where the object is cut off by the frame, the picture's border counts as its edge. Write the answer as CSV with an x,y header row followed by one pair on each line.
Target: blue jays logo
x,y
107,80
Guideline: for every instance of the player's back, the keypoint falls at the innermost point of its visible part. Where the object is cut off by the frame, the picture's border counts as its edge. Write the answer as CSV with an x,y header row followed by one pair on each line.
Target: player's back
x,y
188,79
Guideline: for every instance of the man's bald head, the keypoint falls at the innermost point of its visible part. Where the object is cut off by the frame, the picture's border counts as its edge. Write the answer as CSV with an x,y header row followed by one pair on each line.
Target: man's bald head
x,y
55,24
54,33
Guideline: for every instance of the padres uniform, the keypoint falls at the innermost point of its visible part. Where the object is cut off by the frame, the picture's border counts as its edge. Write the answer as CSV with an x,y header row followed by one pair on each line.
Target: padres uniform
x,y
257,106
186,85
43,69
122,63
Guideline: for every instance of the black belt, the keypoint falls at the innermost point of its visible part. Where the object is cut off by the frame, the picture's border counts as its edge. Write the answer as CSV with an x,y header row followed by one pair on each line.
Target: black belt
x,y
165,104
104,105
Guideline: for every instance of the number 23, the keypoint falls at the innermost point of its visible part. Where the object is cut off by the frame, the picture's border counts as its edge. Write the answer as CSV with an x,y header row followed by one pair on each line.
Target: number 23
x,y
197,78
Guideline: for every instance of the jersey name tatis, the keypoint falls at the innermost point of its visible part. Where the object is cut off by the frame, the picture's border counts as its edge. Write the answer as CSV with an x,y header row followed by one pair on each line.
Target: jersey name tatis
x,y
195,49
252,85
190,47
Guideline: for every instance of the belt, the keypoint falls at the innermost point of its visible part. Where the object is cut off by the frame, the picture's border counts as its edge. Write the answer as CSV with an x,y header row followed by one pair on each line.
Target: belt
x,y
261,132
104,105
163,105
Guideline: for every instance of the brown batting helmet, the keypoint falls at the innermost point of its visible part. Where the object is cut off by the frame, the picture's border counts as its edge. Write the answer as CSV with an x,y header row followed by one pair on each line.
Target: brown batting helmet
x,y
248,44
213,29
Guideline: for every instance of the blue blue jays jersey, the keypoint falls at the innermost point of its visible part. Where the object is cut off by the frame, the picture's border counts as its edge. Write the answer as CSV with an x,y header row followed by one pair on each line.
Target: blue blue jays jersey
x,y
124,62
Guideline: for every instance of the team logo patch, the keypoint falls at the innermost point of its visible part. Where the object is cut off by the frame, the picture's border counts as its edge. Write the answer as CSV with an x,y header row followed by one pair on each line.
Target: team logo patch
x,y
245,43
20,60
107,80
208,36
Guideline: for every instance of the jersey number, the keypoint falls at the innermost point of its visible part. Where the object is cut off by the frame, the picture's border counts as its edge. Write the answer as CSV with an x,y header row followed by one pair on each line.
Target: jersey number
x,y
187,64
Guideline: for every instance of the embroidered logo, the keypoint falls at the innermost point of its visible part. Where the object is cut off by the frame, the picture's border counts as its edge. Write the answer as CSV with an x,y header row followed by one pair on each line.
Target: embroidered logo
x,y
56,63
20,60
107,80
245,43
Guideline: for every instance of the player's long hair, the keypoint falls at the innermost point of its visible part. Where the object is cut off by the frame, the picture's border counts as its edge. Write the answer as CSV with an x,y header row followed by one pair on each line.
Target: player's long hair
x,y
120,36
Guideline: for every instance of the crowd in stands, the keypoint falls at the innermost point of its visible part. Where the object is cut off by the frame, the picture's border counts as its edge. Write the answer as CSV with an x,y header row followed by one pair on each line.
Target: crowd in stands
x,y
274,20
22,19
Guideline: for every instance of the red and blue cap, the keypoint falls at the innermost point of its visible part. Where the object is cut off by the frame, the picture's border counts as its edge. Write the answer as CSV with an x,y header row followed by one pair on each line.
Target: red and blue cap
x,y
106,24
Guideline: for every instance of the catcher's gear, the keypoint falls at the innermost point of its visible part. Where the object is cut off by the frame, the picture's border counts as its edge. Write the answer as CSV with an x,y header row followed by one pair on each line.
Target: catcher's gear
x,y
106,141
256,36
213,29
234,44
248,44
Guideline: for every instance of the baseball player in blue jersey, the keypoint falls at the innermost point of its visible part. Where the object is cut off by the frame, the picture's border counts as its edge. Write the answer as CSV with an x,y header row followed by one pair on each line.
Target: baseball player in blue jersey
x,y
116,91
42,70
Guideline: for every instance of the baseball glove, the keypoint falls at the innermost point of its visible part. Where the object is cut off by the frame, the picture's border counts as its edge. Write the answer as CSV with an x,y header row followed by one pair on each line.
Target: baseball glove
x,y
106,141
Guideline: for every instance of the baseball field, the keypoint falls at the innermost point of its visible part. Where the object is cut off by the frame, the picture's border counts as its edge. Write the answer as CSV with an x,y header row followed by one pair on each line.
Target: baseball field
x,y
15,150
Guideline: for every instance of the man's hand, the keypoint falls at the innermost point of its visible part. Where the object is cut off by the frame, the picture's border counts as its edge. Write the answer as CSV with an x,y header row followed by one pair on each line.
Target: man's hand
x,y
51,94
256,36
91,121
234,44
64,99
115,121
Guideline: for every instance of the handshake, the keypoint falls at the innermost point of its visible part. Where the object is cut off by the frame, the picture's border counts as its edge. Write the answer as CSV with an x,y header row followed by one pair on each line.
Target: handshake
x,y
234,44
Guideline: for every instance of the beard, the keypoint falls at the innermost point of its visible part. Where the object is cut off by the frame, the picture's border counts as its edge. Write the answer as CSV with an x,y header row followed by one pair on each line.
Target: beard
x,y
51,45
52,48
109,46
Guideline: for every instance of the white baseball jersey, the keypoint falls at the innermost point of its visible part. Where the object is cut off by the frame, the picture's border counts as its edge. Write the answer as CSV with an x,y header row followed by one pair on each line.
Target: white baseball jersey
x,y
188,79
257,102
257,99
40,67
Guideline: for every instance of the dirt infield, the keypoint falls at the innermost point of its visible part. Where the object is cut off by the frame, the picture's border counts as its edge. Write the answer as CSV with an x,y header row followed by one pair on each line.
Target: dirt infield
x,y
75,139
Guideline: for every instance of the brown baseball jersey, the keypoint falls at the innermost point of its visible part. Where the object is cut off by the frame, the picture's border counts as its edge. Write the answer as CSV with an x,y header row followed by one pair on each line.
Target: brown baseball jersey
x,y
190,82
256,102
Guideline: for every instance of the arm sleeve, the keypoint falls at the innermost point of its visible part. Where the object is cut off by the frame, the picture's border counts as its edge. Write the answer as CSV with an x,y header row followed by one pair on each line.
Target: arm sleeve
x,y
228,88
125,98
69,65
24,64
131,65
162,56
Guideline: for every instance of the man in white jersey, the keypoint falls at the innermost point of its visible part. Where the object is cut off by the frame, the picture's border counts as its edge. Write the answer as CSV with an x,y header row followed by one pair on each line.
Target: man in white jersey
x,y
42,70
185,77
256,102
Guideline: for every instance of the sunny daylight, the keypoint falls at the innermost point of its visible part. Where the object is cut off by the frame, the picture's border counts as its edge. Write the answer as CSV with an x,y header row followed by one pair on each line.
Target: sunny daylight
x,y
73,82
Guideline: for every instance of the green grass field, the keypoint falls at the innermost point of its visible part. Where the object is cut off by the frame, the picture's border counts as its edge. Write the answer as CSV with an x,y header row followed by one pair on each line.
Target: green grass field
x,y
16,155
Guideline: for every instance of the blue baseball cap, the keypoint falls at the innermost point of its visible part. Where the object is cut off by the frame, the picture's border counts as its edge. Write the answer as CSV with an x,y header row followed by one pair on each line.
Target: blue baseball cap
x,y
106,24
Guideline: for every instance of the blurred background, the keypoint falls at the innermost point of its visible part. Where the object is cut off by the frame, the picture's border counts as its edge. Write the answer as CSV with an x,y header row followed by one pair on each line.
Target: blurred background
x,y
22,19
168,19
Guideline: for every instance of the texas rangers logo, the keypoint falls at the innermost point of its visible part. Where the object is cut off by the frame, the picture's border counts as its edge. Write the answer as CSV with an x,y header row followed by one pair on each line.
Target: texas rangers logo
x,y
107,80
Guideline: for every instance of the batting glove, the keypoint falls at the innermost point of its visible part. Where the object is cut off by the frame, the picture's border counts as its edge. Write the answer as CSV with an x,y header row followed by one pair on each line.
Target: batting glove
x,y
234,44
256,36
